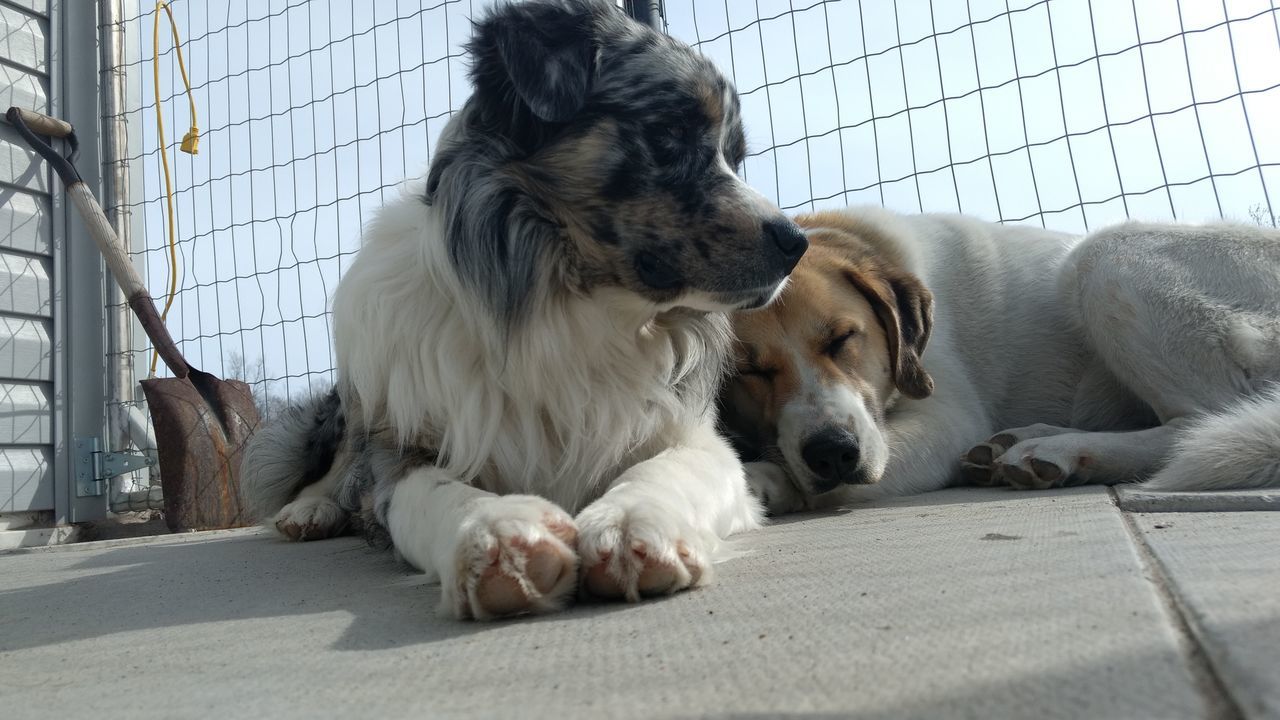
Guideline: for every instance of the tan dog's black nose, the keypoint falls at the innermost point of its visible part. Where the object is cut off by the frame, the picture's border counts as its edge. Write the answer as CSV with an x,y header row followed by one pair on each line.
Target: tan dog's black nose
x,y
832,455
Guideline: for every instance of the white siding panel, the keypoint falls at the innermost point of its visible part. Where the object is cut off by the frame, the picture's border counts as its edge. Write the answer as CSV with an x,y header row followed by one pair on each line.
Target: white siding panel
x,y
24,222
26,413
26,481
26,346
21,89
26,349
25,285
19,164
22,39
35,6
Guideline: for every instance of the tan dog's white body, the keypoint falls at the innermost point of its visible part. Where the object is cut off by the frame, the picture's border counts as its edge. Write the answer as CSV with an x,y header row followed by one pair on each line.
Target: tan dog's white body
x,y
1139,350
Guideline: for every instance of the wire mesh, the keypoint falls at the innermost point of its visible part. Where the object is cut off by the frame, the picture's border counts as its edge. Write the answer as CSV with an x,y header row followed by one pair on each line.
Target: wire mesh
x,y
1064,113
310,114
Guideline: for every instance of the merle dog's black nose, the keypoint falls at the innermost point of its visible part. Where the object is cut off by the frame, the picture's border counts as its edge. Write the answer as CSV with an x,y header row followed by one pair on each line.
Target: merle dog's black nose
x,y
833,456
787,236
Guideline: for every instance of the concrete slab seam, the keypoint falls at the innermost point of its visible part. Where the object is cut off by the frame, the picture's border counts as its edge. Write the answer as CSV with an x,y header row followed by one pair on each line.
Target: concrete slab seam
x,y
1222,704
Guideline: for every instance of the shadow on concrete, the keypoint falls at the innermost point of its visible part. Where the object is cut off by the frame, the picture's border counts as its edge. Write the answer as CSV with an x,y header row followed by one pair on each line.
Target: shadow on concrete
x,y
143,587
168,584
888,612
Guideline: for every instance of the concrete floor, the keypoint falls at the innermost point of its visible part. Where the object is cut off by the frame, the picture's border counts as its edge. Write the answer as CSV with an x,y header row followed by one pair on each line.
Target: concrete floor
x,y
959,604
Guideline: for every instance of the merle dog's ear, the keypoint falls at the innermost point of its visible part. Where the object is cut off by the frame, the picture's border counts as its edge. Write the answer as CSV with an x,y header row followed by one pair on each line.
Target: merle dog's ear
x,y
542,51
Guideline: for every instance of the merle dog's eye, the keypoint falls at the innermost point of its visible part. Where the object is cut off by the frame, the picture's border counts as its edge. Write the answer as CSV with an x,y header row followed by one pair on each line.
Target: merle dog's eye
x,y
836,344
678,132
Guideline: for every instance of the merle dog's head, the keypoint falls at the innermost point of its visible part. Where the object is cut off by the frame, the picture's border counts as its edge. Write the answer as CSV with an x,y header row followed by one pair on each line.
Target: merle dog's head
x,y
597,153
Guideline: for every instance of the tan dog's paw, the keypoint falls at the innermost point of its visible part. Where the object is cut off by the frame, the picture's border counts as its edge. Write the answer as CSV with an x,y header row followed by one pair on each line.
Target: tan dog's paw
x,y
1060,460
977,465
515,555
985,464
1024,468
770,485
640,552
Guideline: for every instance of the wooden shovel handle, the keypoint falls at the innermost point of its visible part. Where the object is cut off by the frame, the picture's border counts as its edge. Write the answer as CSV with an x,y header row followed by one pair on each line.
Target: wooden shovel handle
x,y
43,124
135,291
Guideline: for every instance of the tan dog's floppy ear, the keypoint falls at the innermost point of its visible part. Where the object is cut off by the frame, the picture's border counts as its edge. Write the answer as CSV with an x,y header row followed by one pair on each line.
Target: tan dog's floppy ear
x,y
905,308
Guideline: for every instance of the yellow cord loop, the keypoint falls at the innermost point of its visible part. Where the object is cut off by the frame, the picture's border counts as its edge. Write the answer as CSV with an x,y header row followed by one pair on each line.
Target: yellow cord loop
x,y
190,145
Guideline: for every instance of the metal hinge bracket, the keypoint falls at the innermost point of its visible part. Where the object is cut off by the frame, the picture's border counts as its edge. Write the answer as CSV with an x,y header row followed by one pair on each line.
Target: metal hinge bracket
x,y
94,465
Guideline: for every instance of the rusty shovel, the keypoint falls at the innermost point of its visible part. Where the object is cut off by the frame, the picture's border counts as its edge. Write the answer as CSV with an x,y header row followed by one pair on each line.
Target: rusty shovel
x,y
202,422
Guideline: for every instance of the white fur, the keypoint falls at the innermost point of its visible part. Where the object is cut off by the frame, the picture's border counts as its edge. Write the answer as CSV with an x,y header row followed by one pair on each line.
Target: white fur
x,y
815,405
1181,320
512,414
454,531
674,508
579,400
1239,447
996,344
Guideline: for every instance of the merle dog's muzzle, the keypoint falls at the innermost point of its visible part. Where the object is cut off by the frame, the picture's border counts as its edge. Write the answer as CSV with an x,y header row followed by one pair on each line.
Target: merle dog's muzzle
x,y
745,280
784,243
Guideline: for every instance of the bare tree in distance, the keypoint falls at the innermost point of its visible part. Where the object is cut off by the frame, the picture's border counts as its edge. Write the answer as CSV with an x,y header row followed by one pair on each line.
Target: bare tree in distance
x,y
255,374
1261,216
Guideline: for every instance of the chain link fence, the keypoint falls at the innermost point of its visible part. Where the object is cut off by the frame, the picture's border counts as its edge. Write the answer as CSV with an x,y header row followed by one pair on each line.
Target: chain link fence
x,y
1065,113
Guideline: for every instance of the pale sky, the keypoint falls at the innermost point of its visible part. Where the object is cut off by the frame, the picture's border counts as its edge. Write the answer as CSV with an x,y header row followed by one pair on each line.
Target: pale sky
x,y
312,112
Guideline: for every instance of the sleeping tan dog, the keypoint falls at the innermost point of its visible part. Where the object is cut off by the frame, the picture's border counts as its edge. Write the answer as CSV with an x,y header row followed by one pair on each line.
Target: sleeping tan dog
x,y
912,352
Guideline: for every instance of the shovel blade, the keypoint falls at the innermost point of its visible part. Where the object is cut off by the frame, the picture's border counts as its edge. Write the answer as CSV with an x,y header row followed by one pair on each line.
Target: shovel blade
x,y
200,437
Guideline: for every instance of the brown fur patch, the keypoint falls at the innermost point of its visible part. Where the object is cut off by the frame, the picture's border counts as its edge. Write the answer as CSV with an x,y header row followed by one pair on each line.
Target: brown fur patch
x,y
713,104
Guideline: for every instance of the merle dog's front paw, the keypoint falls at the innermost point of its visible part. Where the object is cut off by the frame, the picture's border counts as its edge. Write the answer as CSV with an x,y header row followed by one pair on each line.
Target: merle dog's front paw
x,y
312,517
641,551
515,554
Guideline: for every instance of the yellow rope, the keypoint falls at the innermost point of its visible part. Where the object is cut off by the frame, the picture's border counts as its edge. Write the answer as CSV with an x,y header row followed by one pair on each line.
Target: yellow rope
x,y
190,145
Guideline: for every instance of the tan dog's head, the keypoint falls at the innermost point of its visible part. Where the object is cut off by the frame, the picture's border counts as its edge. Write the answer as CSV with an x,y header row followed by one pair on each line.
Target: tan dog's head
x,y
817,370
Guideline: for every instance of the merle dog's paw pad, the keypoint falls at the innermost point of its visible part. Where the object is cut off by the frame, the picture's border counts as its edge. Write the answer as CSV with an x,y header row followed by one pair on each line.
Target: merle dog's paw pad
x,y
515,556
517,577
639,571
628,557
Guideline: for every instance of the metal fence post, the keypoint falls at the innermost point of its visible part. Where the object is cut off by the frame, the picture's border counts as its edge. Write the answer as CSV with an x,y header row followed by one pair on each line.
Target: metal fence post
x,y
126,422
649,12
80,318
